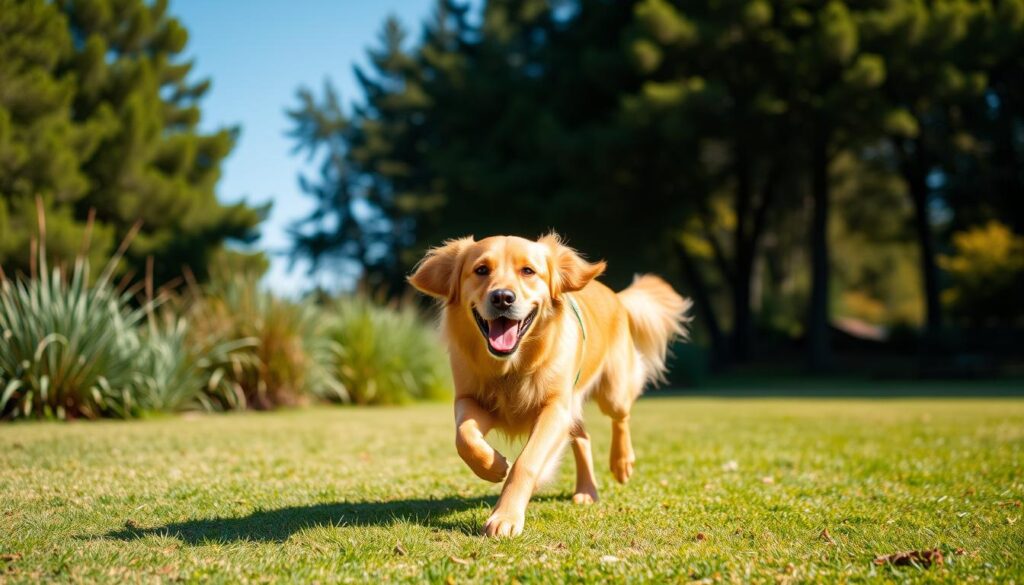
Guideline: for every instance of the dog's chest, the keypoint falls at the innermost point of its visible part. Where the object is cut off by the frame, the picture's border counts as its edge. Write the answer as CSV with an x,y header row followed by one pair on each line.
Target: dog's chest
x,y
512,400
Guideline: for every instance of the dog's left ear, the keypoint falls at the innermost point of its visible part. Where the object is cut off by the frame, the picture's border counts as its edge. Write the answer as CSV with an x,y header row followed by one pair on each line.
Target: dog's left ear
x,y
438,273
569,272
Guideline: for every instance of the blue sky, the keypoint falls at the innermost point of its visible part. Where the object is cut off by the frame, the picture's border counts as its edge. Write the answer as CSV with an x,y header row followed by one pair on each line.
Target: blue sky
x,y
258,52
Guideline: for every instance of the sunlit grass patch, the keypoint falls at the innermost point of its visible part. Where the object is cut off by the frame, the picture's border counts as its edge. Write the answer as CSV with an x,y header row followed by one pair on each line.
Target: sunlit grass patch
x,y
734,490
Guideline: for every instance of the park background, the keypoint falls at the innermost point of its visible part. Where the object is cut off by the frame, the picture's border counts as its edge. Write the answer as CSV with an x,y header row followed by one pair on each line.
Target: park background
x,y
212,206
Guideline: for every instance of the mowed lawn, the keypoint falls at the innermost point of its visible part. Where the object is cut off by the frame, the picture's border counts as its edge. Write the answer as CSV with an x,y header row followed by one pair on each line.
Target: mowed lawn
x,y
732,490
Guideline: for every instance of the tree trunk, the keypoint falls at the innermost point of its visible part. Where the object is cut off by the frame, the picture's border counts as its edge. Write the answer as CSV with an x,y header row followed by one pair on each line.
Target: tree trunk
x,y
915,173
702,298
818,339
743,327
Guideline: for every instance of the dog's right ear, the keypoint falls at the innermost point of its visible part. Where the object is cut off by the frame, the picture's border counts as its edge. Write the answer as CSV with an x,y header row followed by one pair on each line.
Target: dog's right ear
x,y
437,274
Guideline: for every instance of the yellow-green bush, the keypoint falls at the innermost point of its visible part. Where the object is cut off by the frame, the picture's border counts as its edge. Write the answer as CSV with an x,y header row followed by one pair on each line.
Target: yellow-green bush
x,y
986,270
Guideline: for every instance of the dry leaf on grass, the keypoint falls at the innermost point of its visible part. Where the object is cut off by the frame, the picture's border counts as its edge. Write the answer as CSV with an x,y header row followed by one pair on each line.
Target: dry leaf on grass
x,y
457,560
10,557
827,537
923,558
400,550
558,546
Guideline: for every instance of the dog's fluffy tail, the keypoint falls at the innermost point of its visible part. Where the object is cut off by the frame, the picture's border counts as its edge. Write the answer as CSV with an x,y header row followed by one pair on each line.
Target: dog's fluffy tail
x,y
657,315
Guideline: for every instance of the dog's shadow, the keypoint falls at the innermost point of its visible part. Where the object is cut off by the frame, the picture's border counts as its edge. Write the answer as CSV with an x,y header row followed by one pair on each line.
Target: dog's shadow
x,y
280,524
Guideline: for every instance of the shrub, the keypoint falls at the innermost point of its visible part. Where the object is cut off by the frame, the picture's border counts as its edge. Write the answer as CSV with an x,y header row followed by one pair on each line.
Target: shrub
x,y
175,370
286,357
386,354
68,346
987,274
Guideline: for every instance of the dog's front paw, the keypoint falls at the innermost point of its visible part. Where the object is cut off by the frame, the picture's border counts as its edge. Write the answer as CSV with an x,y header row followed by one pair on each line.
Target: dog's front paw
x,y
502,524
484,460
493,470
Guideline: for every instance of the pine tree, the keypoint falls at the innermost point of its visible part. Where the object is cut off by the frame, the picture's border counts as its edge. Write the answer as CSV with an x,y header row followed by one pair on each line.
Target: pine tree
x,y
100,117
718,66
375,189
834,81
932,71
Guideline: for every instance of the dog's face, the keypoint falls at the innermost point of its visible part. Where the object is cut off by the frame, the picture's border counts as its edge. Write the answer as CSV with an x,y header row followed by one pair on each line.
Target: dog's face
x,y
504,285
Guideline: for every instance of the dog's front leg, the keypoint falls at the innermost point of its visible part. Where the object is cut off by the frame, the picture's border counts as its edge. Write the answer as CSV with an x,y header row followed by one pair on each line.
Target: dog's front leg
x,y
472,423
549,433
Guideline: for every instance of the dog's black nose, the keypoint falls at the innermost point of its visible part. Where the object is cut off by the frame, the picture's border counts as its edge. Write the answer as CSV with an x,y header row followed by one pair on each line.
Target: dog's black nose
x,y
502,298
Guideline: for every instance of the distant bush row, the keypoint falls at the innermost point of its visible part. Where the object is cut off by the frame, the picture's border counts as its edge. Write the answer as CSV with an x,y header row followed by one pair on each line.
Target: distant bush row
x,y
77,346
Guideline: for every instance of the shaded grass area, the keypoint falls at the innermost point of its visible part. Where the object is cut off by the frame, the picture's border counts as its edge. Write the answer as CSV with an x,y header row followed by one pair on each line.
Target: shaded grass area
x,y
726,489
793,385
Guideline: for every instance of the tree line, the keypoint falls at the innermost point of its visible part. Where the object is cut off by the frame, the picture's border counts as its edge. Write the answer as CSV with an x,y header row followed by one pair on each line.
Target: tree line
x,y
787,163
779,158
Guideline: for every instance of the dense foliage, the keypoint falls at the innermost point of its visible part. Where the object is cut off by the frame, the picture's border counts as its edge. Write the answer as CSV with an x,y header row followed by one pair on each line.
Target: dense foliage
x,y
98,115
76,346
786,161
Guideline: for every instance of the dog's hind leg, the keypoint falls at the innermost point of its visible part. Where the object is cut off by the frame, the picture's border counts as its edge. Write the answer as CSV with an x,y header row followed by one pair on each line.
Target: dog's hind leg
x,y
622,456
615,396
586,484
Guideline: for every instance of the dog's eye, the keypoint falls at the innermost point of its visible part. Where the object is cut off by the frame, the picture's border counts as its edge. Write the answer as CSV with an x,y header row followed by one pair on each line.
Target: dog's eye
x,y
527,271
482,270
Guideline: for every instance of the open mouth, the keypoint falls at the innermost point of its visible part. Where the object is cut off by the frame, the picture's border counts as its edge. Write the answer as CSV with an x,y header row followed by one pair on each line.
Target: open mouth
x,y
503,334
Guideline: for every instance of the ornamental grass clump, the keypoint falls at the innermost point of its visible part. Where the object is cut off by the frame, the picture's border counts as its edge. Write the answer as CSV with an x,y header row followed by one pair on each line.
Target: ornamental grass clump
x,y
286,359
75,347
68,346
386,354
175,369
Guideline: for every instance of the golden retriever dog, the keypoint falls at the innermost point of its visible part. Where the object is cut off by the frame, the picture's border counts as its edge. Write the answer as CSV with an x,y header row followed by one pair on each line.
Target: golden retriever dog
x,y
531,335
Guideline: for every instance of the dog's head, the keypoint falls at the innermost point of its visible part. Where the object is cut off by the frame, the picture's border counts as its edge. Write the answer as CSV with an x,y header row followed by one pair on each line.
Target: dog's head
x,y
503,284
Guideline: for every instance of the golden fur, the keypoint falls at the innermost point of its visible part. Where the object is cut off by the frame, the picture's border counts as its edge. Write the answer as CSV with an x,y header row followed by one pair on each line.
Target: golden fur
x,y
534,390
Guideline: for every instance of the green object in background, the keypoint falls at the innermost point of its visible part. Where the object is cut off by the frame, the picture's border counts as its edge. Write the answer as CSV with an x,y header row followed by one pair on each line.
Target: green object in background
x,y
98,113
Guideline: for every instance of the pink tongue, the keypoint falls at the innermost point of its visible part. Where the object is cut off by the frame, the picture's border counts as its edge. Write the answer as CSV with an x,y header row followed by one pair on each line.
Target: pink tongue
x,y
503,333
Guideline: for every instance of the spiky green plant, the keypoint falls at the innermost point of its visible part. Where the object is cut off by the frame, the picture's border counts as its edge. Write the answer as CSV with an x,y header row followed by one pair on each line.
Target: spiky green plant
x,y
386,354
287,361
175,370
67,345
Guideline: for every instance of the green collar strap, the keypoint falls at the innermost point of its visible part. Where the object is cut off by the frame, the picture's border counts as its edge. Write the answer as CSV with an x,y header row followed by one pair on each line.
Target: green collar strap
x,y
583,331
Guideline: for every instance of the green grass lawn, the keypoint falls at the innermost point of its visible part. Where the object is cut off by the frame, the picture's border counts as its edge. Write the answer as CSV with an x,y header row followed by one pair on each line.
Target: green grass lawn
x,y
726,489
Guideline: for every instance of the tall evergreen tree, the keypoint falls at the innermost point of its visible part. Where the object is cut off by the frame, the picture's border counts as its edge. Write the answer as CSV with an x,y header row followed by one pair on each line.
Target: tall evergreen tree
x,y
933,69
722,64
99,116
375,188
833,83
